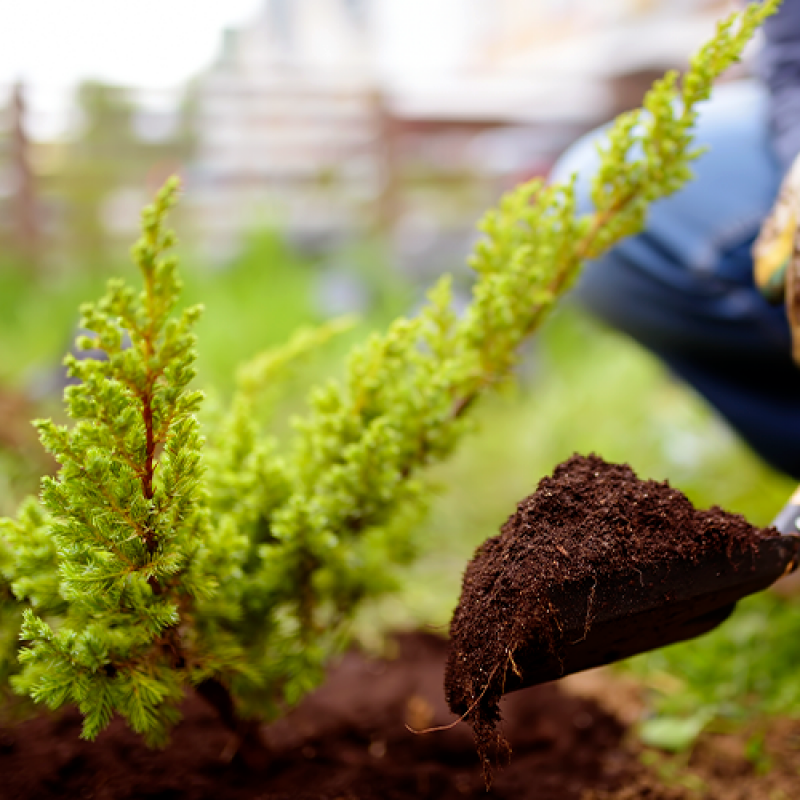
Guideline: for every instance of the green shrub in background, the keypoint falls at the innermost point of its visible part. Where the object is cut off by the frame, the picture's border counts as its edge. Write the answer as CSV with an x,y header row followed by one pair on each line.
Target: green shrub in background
x,y
157,561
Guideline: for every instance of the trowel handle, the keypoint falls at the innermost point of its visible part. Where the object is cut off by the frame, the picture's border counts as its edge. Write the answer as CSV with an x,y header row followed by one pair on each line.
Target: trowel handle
x,y
788,519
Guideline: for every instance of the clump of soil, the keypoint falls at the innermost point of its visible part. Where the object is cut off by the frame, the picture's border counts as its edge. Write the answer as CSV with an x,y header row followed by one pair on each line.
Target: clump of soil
x,y
591,539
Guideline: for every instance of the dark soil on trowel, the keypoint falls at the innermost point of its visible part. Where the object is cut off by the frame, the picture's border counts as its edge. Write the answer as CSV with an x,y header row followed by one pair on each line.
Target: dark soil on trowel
x,y
590,524
346,741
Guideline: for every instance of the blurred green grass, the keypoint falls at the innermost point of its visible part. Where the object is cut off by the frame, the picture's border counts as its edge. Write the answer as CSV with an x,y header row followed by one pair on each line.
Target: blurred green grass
x,y
253,303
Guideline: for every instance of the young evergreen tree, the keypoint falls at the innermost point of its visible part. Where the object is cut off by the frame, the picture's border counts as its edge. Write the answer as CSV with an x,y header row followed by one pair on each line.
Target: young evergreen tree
x,y
156,562
124,522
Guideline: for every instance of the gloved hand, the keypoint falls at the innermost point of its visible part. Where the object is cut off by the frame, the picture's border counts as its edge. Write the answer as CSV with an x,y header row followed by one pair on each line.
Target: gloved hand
x,y
776,253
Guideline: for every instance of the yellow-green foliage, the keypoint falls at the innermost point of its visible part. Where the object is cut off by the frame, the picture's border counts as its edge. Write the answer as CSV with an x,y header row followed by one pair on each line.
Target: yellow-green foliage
x,y
159,561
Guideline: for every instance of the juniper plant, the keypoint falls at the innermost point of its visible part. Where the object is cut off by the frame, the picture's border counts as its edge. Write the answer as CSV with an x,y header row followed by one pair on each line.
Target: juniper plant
x,y
155,562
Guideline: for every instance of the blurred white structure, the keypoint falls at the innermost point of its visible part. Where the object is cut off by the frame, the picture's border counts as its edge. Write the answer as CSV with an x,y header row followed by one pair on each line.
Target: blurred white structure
x,y
312,113
287,131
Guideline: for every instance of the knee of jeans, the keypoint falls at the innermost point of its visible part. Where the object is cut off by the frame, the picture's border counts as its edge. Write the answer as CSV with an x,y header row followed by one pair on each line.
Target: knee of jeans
x,y
603,293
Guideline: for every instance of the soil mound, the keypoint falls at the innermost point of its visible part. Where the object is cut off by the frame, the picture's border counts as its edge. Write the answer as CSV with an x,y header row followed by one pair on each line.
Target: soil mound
x,y
591,524
346,741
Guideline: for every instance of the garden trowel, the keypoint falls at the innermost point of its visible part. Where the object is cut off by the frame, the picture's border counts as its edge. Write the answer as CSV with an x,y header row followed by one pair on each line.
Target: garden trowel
x,y
661,604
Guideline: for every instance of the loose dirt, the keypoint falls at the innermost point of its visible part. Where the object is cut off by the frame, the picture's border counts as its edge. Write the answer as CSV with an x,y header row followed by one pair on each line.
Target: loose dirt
x,y
592,538
346,741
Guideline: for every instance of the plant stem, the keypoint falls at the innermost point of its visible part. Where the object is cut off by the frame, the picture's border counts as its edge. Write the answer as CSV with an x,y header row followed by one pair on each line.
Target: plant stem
x,y
246,740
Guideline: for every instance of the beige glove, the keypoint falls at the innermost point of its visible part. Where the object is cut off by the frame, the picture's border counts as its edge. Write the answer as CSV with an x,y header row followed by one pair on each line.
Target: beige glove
x,y
776,254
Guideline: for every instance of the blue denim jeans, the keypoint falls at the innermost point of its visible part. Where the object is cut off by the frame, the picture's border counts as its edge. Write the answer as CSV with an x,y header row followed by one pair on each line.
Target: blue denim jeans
x,y
683,288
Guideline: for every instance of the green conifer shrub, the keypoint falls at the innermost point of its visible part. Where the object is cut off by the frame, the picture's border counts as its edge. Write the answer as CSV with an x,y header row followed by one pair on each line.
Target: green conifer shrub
x,y
157,560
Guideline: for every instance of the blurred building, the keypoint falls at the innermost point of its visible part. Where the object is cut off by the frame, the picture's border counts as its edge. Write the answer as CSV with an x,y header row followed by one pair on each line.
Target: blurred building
x,y
287,124
329,116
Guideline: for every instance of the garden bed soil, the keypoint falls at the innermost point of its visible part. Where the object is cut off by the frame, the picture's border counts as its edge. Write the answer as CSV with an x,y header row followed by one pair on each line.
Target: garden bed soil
x,y
594,565
348,741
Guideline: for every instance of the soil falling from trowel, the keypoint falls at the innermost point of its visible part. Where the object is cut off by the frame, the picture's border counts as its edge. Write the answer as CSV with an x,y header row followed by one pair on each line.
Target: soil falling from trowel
x,y
586,525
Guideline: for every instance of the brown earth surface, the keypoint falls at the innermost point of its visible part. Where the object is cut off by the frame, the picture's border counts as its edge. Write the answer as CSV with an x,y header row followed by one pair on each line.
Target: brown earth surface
x,y
349,741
